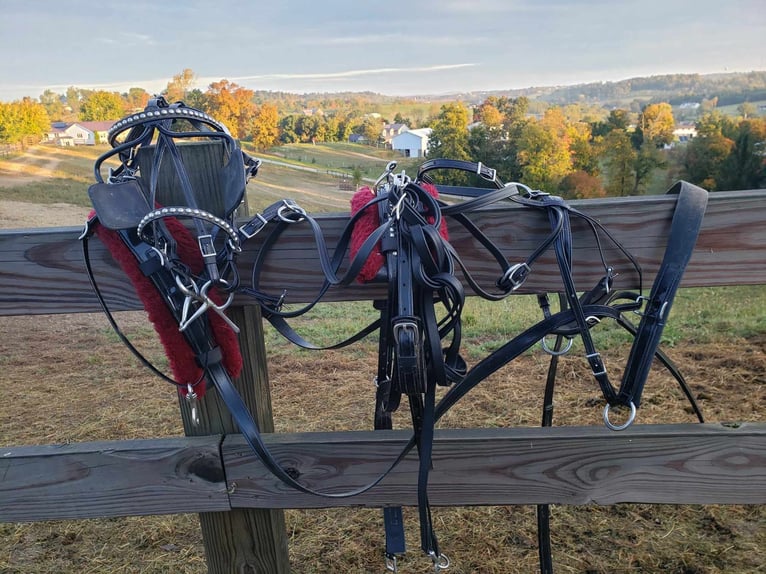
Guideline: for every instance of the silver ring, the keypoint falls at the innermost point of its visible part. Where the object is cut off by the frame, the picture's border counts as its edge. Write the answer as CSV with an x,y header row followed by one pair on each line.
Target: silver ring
x,y
564,351
615,427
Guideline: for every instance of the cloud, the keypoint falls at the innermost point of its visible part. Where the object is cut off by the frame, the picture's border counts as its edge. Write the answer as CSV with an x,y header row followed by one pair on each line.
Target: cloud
x,y
351,73
129,39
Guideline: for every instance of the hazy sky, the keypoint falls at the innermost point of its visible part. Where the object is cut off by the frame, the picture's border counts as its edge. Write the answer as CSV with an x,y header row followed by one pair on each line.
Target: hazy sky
x,y
395,47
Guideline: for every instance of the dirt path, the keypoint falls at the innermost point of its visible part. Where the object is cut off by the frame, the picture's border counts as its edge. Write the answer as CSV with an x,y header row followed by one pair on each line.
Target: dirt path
x,y
18,214
34,164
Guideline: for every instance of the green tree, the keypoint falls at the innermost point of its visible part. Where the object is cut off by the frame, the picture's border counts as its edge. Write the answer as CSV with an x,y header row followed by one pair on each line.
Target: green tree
x,y
73,98
656,125
100,106
747,110
287,129
449,135
648,158
619,161
53,104
704,158
745,166
543,153
21,120
581,148
617,120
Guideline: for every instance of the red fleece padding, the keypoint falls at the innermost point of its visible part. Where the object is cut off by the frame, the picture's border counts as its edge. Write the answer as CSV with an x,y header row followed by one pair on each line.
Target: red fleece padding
x,y
369,221
177,349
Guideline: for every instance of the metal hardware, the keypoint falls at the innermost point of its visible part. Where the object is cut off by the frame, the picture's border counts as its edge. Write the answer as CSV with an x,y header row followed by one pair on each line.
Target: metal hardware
x,y
623,426
191,398
510,275
243,228
553,352
288,205
591,358
441,561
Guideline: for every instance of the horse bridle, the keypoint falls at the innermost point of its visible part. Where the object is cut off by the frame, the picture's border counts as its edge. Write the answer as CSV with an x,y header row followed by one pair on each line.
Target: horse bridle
x,y
418,346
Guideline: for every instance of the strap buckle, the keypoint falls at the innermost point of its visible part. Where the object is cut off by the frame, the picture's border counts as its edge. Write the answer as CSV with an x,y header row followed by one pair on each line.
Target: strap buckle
x,y
514,276
409,360
488,173
253,227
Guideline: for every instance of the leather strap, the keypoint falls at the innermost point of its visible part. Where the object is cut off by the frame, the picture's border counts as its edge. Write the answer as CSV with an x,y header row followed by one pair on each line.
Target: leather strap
x,y
685,227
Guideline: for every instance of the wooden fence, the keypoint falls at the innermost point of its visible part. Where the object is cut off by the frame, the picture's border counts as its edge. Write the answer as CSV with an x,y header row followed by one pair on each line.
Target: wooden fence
x,y
211,471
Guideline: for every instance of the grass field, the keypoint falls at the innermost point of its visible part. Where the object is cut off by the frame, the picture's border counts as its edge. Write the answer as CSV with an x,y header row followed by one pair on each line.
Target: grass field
x,y
67,378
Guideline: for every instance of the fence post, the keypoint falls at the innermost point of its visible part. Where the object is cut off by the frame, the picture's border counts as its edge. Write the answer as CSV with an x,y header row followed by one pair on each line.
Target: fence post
x,y
240,540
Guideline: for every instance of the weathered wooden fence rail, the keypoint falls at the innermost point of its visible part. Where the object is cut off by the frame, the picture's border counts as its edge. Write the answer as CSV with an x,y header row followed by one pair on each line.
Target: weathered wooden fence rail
x,y
216,475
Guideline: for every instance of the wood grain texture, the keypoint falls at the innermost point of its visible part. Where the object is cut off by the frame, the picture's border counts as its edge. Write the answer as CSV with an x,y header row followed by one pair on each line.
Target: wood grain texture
x,y
41,271
678,464
125,478
242,539
675,464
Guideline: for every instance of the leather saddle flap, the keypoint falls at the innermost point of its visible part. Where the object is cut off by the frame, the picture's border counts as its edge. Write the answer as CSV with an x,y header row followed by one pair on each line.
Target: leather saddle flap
x,y
119,205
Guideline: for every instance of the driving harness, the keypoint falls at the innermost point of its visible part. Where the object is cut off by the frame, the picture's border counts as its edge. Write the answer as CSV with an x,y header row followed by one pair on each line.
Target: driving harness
x,y
187,276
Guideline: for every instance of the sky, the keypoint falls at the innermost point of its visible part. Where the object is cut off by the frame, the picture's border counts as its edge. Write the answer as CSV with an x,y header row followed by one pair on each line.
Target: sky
x,y
397,47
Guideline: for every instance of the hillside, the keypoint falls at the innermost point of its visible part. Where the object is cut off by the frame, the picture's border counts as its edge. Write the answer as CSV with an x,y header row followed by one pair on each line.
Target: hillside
x,y
729,88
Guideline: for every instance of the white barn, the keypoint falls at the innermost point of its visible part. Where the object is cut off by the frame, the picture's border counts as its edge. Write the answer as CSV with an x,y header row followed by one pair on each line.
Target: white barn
x,y
412,143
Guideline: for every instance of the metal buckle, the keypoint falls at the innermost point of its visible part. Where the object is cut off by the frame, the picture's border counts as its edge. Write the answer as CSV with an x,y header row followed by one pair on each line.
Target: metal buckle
x,y
243,228
591,358
398,327
391,563
489,175
510,275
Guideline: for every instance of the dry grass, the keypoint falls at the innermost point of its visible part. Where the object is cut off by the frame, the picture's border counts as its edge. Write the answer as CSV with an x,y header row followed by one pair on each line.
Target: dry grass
x,y
68,379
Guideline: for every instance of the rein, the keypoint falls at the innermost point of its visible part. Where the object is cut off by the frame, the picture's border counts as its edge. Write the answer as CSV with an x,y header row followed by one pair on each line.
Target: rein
x,y
187,276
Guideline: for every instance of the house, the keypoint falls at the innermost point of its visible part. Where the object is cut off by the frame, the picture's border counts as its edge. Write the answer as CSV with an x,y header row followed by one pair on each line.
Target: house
x,y
78,133
412,143
685,132
391,130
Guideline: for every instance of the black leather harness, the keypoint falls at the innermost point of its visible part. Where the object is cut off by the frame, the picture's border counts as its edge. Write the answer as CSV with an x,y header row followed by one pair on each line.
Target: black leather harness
x,y
420,320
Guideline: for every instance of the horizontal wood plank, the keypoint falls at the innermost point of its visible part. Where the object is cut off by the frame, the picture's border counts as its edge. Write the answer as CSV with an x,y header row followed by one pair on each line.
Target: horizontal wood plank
x,y
111,478
41,271
678,464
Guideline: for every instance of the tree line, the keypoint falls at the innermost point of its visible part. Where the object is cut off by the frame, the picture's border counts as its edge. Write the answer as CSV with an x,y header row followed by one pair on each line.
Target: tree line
x,y
572,150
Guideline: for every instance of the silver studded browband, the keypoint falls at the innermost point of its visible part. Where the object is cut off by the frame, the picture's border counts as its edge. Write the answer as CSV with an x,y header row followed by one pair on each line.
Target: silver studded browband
x,y
188,212
162,113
